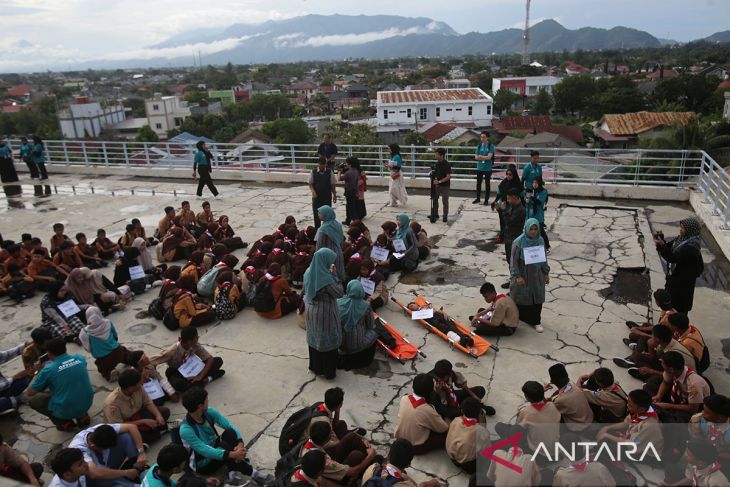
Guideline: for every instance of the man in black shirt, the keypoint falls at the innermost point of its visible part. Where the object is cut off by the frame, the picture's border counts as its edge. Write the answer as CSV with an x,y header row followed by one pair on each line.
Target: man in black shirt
x,y
328,150
322,186
442,182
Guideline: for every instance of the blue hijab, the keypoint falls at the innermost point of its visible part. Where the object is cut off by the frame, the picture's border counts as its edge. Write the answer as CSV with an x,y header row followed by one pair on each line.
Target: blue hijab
x,y
353,305
405,226
524,240
318,274
330,226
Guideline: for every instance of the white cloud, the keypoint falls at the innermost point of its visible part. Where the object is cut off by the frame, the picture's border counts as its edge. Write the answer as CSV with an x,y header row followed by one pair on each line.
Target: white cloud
x,y
177,51
353,39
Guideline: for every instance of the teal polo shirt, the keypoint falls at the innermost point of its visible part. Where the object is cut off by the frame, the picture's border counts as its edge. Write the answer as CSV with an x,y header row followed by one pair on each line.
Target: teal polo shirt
x,y
68,382
483,150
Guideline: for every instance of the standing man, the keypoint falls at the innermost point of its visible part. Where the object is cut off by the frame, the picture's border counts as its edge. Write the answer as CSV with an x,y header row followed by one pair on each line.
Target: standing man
x,y
531,171
351,178
442,183
484,156
514,222
201,163
328,150
322,185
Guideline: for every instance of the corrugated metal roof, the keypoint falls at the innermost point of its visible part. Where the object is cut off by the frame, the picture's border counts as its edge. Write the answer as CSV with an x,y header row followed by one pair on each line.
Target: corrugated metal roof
x,y
416,96
639,122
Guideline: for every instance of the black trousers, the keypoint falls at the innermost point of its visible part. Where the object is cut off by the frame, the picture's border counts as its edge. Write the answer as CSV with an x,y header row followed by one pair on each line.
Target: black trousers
x,y
228,441
494,331
205,180
352,208
487,177
182,384
32,167
42,169
316,203
543,234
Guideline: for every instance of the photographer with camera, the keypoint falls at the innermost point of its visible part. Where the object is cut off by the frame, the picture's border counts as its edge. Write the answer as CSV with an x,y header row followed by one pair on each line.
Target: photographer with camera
x,y
684,261
322,186
441,185
351,178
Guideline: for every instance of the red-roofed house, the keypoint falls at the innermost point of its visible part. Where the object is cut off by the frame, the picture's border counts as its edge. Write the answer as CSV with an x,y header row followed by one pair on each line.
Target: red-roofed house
x,y
21,92
662,73
573,69
534,124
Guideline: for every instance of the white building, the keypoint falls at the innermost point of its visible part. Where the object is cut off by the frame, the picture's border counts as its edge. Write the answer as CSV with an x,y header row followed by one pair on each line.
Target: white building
x,y
461,83
165,113
88,119
527,85
726,110
400,110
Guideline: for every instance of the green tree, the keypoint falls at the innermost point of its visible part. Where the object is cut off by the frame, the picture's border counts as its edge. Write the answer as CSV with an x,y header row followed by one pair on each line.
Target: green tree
x,y
691,91
288,131
146,134
618,95
572,94
504,99
415,138
542,104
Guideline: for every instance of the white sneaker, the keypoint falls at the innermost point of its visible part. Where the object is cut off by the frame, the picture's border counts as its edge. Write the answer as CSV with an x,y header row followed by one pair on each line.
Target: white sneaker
x,y
539,328
632,346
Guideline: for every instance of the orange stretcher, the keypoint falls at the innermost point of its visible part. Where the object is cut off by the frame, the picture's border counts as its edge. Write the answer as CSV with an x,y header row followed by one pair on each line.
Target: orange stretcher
x,y
403,350
480,347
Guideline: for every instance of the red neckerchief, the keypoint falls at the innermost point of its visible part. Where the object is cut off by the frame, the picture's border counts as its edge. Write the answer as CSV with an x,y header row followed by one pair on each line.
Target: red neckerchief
x,y
638,418
416,402
168,282
499,296
309,445
224,285
221,264
392,471
269,277
279,232
715,435
300,477
676,394
356,256
277,251
538,405
468,421
581,467
615,388
712,469
322,408
302,253
180,292
259,253
249,269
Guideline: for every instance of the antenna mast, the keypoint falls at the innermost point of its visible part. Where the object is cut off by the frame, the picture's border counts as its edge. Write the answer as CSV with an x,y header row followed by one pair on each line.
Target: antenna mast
x,y
526,35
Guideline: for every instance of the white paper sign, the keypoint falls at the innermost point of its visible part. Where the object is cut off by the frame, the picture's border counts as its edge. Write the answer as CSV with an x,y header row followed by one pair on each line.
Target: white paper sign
x,y
379,253
136,272
398,255
422,314
153,389
399,245
368,285
68,308
191,367
534,255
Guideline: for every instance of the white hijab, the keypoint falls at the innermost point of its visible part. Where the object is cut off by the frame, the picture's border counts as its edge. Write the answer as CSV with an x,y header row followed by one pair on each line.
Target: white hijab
x,y
144,259
96,326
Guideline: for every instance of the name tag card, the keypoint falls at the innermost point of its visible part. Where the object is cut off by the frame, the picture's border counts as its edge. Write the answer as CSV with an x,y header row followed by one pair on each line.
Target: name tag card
x,y
398,255
191,367
153,389
379,253
368,285
422,314
399,245
136,272
534,255
69,308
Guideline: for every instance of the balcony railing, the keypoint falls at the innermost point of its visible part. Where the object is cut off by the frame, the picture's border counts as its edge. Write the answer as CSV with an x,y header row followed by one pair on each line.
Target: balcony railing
x,y
681,169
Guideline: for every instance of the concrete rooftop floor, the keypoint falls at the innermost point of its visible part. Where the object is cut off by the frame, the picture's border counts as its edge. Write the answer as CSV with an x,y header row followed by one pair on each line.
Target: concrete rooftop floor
x,y
266,361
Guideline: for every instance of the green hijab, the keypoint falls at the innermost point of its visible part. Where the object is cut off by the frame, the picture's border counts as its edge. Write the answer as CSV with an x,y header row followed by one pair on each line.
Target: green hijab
x,y
524,240
330,226
405,226
318,274
353,305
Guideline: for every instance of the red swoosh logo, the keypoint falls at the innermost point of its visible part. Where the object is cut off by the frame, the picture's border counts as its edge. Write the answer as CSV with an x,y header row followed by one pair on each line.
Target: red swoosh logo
x,y
512,440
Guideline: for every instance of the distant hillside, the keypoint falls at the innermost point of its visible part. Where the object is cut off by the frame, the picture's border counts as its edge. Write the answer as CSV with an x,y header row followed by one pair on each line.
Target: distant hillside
x,y
723,36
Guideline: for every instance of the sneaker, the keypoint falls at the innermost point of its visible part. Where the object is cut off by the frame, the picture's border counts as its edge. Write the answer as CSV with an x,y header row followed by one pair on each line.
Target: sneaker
x,y
631,324
477,201
634,372
488,410
632,346
7,411
446,220
547,251
361,431
217,375
626,341
235,478
622,362
261,478
505,285
539,328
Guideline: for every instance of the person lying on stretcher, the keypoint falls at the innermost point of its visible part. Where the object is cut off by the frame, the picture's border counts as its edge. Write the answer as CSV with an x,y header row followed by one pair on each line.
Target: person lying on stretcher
x,y
444,324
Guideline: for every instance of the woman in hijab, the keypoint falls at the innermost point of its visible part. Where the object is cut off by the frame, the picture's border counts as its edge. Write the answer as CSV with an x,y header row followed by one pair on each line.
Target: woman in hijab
x,y
122,274
330,236
535,203
187,310
424,246
99,338
396,183
380,294
321,316
358,328
169,287
227,236
92,288
285,298
206,241
511,180
409,260
684,260
527,284
54,320
192,267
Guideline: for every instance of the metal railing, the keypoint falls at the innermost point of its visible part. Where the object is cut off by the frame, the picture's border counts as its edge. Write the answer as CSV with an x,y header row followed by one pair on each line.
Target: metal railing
x,y
682,169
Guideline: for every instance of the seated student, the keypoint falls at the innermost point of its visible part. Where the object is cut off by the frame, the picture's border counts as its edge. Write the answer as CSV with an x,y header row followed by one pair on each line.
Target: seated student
x,y
169,287
381,294
527,473
447,398
181,352
207,282
500,318
663,301
466,434
70,469
177,244
688,335
34,354
641,425
43,271
572,404
418,421
187,310
279,256
409,261
87,253
205,217
278,292
399,459
66,258
583,473
130,233
353,266
149,373
70,392
349,458
54,319
16,256
227,236
142,233
309,474
99,338
606,398
38,245
540,419
206,241
643,362
173,459
193,266
357,349
26,242
680,391
115,454
165,224
299,263
12,388
188,220
422,242
58,238
129,403
329,411
17,284
703,469
712,425
105,248
213,450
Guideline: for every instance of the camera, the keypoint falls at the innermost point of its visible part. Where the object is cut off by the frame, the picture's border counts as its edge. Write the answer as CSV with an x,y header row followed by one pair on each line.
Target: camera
x,y
659,235
341,167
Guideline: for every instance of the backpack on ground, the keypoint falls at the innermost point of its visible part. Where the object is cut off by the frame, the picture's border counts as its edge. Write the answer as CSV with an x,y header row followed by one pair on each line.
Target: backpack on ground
x,y
377,480
290,461
264,301
296,425
156,309
207,283
170,320
224,308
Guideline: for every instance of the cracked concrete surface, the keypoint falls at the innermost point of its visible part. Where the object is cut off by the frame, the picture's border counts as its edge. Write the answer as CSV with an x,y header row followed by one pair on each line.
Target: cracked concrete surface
x,y
266,361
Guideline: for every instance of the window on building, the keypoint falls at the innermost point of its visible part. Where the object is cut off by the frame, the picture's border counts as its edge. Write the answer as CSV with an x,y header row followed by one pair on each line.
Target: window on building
x,y
158,126
449,109
423,113
178,122
385,114
409,113
470,111
458,109
438,111
489,109
156,107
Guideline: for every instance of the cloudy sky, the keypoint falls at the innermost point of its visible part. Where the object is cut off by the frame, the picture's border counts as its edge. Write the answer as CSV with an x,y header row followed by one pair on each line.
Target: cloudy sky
x,y
43,34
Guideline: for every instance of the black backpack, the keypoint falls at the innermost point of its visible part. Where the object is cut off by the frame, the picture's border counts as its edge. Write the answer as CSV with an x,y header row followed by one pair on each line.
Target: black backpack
x,y
169,319
264,300
290,461
377,480
155,309
296,425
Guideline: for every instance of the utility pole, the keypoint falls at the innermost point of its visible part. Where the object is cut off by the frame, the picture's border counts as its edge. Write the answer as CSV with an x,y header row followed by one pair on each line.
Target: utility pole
x,y
526,35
